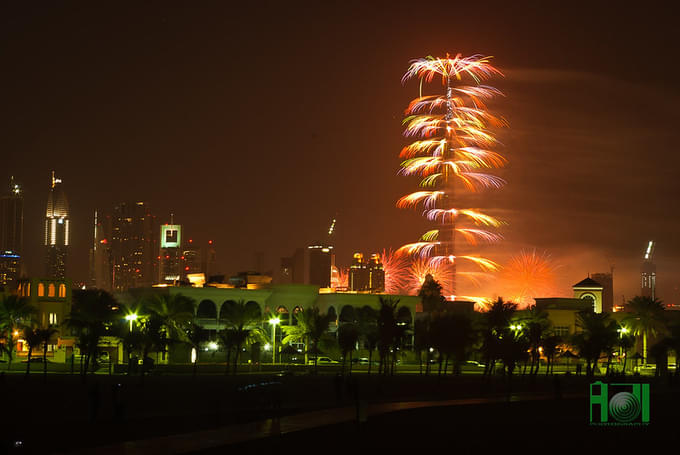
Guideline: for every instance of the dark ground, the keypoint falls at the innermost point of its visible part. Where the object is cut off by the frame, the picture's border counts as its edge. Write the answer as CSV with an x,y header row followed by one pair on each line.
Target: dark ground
x,y
65,414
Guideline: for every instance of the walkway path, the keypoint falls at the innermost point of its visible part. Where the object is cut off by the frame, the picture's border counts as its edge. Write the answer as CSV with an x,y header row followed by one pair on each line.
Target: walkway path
x,y
219,437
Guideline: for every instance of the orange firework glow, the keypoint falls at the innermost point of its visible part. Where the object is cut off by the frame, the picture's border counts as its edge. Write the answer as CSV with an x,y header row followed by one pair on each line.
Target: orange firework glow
x,y
528,275
420,268
396,269
452,153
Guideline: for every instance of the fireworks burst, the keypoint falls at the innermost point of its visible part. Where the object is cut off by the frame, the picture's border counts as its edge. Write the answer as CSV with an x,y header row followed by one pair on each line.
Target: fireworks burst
x,y
396,269
420,268
339,278
528,275
453,150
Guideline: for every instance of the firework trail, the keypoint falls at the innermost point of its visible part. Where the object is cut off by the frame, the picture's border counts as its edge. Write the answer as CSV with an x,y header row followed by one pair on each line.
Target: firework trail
x,y
420,268
528,275
339,278
452,152
397,273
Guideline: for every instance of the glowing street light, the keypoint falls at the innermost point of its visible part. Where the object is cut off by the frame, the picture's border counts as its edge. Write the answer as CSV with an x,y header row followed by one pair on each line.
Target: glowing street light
x,y
131,317
274,322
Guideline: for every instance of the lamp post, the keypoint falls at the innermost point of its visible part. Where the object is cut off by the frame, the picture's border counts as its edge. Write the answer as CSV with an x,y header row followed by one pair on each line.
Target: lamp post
x,y
274,322
131,317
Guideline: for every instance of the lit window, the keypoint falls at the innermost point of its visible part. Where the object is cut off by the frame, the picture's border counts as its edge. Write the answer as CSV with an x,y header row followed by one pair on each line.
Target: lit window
x,y
53,319
50,290
41,290
62,290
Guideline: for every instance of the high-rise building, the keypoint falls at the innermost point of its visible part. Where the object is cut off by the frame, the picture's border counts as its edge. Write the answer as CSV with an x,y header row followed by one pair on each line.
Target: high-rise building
x,y
366,275
376,274
101,269
57,230
320,257
648,272
607,282
11,235
311,265
170,264
191,260
133,246
209,260
358,273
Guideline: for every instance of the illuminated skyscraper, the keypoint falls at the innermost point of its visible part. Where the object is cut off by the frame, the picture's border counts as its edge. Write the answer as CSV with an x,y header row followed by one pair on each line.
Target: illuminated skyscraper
x,y
11,234
133,245
170,264
57,231
648,272
366,275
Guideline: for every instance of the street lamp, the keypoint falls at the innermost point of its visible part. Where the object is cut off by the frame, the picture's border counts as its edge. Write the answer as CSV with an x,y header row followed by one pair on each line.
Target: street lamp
x,y
274,322
131,317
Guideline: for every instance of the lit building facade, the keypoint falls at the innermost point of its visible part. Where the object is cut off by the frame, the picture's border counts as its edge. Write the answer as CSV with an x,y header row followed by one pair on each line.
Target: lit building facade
x,y
366,275
11,235
133,246
648,273
170,256
590,291
57,231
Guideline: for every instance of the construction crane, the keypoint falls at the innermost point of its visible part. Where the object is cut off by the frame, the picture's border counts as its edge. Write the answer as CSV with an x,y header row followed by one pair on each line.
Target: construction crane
x,y
332,228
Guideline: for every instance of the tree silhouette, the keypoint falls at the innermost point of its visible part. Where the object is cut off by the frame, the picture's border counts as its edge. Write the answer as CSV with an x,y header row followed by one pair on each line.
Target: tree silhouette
x,y
348,336
495,323
15,313
311,326
93,313
646,318
244,320
33,340
597,333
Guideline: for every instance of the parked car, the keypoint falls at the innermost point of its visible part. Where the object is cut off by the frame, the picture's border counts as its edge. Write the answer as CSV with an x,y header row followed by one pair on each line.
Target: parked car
x,y
648,369
323,361
473,364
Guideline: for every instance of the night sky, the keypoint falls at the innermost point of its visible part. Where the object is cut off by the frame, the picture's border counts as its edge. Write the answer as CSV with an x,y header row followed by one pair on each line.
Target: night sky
x,y
256,125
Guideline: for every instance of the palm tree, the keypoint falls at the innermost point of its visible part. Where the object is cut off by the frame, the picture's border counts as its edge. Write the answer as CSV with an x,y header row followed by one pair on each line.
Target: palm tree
x,y
227,338
14,312
348,336
597,330
367,323
422,340
431,296
311,325
550,343
495,322
626,342
647,318
536,323
245,322
394,327
46,335
93,313
196,335
33,340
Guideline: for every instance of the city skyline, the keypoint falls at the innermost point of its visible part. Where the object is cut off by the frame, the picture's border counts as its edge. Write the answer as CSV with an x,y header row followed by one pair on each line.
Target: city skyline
x,y
580,184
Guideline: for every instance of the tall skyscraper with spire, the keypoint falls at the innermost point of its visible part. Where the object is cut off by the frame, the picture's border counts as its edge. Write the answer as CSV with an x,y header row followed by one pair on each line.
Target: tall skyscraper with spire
x,y
57,230
11,235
